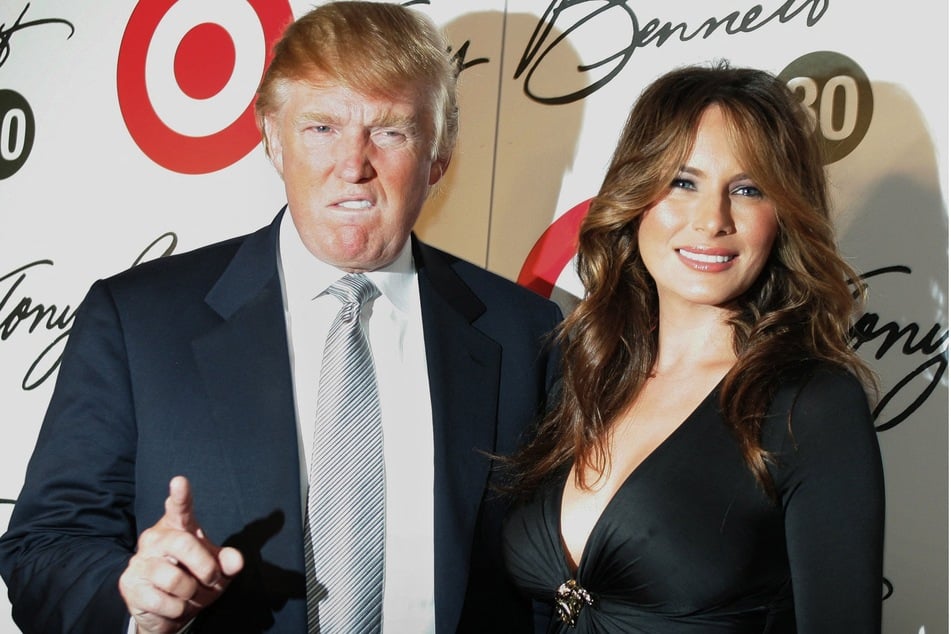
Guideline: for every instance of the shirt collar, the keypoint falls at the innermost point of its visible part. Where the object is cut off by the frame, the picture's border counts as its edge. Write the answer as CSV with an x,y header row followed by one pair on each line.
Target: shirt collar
x,y
306,277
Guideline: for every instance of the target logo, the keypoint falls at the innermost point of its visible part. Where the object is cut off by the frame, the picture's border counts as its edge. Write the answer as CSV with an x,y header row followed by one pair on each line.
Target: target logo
x,y
553,251
187,74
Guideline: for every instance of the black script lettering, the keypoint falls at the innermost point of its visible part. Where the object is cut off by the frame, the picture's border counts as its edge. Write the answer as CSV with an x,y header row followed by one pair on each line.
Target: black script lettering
x,y
459,58
6,34
940,363
538,47
35,315
18,309
146,254
783,14
867,329
36,375
653,31
24,310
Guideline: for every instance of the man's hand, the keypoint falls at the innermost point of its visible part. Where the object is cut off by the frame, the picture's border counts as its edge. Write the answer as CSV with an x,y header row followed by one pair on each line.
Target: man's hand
x,y
176,571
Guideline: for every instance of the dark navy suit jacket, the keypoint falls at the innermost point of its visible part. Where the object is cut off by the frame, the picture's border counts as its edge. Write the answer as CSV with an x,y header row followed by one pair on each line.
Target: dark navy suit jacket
x,y
180,366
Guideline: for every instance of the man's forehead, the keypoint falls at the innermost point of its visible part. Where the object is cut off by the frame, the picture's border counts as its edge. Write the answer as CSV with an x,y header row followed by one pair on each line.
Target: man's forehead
x,y
333,99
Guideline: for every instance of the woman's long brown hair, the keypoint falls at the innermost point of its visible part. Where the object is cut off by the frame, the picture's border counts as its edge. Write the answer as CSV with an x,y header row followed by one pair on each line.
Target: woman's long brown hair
x,y
798,312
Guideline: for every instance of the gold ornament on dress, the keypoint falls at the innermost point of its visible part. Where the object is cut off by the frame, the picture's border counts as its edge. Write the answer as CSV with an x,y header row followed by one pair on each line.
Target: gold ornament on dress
x,y
569,599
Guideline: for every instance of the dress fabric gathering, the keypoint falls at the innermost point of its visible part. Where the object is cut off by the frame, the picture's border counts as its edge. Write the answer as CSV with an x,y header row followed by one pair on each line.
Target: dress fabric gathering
x,y
691,544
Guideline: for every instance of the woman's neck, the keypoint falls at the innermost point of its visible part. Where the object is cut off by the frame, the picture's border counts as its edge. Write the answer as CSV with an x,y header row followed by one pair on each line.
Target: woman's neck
x,y
689,341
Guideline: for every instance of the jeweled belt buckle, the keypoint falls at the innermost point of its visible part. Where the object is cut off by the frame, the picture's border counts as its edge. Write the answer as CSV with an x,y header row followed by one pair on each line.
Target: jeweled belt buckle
x,y
569,599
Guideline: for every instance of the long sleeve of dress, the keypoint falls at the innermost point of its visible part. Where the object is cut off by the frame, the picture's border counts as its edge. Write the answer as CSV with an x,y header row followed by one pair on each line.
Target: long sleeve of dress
x,y
830,481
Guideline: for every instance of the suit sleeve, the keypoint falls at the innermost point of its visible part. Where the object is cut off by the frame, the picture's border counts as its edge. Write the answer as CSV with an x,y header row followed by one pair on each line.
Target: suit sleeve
x,y
831,486
72,530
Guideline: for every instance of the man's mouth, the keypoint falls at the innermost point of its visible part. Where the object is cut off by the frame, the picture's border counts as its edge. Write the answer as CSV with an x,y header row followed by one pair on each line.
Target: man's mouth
x,y
355,204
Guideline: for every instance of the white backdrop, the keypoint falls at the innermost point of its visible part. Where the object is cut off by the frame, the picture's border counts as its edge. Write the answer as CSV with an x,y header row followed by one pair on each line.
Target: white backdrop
x,y
124,134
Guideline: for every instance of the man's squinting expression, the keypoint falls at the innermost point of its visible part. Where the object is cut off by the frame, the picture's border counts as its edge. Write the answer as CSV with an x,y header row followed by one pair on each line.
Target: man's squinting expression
x,y
356,169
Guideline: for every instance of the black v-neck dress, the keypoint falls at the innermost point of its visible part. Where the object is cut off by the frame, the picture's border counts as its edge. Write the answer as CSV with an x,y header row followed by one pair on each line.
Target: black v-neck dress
x,y
690,544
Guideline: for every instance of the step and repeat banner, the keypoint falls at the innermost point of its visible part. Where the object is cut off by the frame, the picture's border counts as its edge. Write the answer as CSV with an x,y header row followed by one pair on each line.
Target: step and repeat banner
x,y
126,134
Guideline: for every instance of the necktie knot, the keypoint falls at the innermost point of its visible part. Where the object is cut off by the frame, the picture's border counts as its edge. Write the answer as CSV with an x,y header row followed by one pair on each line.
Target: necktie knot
x,y
354,288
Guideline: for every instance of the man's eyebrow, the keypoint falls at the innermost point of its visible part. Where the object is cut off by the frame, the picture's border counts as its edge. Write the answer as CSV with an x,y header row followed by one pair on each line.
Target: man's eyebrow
x,y
315,115
391,120
388,120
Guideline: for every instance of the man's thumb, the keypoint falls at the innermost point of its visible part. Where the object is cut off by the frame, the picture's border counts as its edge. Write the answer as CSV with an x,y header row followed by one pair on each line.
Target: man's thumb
x,y
230,560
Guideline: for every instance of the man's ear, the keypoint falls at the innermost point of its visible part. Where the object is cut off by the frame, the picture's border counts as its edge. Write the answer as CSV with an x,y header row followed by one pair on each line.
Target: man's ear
x,y
438,169
270,131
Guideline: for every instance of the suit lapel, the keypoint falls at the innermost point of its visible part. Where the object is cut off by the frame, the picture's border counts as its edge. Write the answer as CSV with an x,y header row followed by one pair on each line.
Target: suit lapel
x,y
245,368
463,366
244,364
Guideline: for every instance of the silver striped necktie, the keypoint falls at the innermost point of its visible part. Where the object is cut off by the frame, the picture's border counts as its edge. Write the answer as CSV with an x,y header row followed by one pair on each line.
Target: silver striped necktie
x,y
347,498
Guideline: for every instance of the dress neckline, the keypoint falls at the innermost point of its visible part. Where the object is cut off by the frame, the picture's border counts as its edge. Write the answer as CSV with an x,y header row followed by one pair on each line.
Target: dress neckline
x,y
651,457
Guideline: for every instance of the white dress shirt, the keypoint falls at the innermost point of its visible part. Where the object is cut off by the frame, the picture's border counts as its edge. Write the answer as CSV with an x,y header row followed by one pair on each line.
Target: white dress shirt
x,y
395,329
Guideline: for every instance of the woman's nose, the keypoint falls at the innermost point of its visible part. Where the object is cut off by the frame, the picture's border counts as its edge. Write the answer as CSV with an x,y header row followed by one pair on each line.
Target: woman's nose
x,y
713,215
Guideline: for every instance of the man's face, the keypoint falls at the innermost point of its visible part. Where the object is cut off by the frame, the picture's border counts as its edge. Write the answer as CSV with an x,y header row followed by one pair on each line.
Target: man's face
x,y
356,169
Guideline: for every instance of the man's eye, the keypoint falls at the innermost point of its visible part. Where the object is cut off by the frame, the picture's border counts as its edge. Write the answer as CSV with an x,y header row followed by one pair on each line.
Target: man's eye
x,y
317,128
389,138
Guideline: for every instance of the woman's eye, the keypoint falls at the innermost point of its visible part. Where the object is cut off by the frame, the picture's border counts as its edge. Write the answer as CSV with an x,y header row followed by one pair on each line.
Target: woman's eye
x,y
682,183
748,190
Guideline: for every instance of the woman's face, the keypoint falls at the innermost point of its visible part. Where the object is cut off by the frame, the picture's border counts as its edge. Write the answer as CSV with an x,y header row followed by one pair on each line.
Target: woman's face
x,y
706,241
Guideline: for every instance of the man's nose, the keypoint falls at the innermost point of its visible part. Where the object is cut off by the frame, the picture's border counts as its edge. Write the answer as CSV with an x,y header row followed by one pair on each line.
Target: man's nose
x,y
352,158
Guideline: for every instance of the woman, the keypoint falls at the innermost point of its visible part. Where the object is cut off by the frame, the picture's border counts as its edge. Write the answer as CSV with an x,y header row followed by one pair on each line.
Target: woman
x,y
710,464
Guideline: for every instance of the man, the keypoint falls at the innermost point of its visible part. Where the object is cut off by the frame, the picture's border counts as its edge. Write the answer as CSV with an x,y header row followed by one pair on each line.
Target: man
x,y
170,478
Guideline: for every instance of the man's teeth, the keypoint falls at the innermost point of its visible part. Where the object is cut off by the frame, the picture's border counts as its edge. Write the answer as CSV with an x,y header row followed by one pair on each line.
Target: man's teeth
x,y
355,204
705,257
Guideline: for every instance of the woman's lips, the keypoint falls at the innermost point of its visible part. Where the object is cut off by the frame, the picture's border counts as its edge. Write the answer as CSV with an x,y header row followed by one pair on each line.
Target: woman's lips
x,y
707,259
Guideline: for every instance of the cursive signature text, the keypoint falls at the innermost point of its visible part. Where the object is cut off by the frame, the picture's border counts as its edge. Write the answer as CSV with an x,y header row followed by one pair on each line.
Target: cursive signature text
x,y
19,311
653,32
908,340
6,34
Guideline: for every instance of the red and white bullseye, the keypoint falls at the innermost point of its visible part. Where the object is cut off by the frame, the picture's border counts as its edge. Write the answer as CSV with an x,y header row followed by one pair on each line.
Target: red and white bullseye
x,y
186,77
203,65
